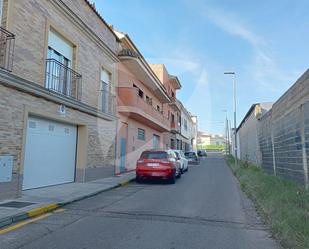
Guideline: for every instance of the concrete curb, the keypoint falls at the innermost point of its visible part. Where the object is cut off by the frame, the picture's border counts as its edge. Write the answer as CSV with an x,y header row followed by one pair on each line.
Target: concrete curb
x,y
53,206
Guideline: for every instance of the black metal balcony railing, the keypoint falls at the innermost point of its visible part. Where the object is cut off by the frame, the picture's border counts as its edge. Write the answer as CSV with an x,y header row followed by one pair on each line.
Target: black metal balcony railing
x,y
108,102
7,44
62,79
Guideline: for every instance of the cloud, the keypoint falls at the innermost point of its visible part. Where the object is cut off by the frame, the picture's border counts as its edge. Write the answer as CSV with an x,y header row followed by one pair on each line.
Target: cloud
x,y
264,69
232,25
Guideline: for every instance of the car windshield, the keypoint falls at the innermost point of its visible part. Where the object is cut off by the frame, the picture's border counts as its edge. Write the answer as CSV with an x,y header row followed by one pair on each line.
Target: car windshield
x,y
190,154
154,155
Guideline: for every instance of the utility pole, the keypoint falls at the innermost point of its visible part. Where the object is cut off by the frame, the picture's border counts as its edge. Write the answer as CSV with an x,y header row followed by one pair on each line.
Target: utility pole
x,y
235,129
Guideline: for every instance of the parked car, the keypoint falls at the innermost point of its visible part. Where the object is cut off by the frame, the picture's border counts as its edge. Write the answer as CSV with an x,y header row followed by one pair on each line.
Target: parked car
x,y
192,157
158,164
202,153
183,160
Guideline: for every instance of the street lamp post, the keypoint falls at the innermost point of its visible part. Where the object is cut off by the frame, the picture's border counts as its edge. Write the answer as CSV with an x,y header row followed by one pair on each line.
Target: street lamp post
x,y
235,138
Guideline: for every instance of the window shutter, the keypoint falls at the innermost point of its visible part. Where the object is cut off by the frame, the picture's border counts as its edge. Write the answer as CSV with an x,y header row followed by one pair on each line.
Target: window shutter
x,y
60,45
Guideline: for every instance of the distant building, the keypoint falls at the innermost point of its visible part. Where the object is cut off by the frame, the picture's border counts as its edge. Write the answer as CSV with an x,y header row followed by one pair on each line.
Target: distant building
x,y
206,139
247,133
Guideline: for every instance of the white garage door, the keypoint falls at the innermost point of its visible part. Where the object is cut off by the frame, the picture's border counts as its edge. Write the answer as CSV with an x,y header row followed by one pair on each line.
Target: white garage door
x,y
50,153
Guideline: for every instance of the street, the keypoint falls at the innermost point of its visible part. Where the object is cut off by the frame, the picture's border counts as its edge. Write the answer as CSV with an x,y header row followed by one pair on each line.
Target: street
x,y
204,209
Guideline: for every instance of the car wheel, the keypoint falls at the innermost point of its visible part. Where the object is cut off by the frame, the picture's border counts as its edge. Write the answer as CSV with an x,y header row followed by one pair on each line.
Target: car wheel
x,y
172,180
138,179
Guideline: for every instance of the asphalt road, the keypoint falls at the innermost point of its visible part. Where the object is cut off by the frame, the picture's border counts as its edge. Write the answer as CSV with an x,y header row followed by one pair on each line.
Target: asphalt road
x,y
204,209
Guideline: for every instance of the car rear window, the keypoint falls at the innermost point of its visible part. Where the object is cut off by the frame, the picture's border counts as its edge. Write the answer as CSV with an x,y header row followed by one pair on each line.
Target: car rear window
x,y
154,155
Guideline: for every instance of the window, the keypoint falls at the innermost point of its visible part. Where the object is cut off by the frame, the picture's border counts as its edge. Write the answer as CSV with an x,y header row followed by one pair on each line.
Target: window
x,y
154,155
172,143
59,60
141,134
158,108
185,124
105,91
140,92
148,100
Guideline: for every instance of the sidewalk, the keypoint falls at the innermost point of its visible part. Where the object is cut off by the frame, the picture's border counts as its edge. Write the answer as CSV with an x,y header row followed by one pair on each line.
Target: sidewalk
x,y
42,200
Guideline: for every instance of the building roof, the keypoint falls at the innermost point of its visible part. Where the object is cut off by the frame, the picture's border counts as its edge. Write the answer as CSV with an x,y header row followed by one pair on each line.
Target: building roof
x,y
92,6
132,51
266,106
183,108
176,81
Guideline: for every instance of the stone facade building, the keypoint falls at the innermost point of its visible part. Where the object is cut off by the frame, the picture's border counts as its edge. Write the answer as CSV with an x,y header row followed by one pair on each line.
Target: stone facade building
x,y
56,91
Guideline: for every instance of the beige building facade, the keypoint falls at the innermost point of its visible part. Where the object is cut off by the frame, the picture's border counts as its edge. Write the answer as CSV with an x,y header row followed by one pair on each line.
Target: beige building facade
x,y
58,92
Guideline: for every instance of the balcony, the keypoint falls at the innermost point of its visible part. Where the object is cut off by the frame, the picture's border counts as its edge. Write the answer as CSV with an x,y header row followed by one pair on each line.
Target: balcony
x,y
108,103
173,104
175,127
7,44
62,79
133,106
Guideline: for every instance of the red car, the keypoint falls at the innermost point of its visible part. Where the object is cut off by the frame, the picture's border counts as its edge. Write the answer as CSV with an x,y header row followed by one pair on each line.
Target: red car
x,y
158,164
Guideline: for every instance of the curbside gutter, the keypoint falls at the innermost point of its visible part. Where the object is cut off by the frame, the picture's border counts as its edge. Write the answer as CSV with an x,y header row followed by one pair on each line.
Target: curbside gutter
x,y
4,222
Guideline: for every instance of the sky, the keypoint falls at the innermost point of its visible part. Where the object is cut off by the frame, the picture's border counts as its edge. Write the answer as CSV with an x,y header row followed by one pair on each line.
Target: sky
x,y
265,42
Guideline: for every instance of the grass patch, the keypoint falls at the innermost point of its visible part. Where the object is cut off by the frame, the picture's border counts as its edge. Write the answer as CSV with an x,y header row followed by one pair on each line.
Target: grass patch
x,y
284,205
211,147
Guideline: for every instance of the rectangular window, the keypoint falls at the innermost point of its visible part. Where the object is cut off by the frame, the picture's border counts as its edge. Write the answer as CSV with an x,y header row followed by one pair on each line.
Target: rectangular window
x,y
58,66
140,93
61,45
141,134
105,91
148,100
154,155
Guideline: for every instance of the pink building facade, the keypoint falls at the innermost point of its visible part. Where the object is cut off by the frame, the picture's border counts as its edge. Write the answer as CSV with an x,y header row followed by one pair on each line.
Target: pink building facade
x,y
142,120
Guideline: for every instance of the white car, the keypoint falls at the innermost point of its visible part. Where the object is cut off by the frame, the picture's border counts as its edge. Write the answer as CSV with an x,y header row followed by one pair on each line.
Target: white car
x,y
183,160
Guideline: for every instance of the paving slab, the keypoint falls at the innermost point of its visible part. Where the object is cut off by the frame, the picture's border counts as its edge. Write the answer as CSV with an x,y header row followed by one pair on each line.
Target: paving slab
x,y
49,198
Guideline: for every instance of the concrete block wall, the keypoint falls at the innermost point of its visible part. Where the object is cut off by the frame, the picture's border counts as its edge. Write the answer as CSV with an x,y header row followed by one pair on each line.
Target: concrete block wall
x,y
265,142
284,134
248,140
